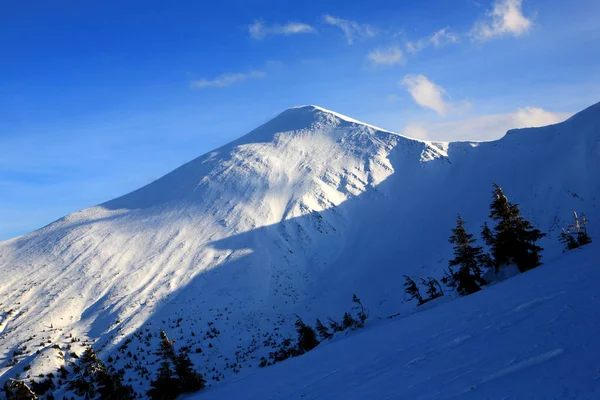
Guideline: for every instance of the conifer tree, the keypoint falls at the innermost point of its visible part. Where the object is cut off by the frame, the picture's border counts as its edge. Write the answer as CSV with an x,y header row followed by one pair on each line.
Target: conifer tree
x,y
165,386
94,378
189,379
166,349
361,312
449,278
568,240
513,239
18,390
307,339
168,383
434,289
335,326
467,257
348,322
322,330
582,236
576,234
411,289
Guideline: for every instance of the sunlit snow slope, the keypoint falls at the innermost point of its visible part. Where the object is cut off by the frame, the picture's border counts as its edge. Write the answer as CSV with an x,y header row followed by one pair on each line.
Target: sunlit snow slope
x,y
294,217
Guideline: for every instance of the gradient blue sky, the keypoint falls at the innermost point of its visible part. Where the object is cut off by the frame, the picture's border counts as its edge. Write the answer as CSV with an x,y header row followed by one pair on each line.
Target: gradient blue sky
x,y
98,98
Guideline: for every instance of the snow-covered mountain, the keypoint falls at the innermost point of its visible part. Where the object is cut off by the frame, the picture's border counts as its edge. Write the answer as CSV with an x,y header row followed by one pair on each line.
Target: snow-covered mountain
x,y
294,217
531,337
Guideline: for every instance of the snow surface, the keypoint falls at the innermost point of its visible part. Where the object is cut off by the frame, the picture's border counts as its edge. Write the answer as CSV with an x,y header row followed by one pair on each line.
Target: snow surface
x,y
534,336
294,217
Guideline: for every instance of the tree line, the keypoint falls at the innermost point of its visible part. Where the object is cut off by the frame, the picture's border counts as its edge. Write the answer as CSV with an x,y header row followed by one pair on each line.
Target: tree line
x,y
511,241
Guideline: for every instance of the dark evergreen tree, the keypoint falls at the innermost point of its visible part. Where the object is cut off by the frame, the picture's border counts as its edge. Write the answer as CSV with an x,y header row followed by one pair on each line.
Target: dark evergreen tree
x,y
576,234
411,289
467,258
189,379
361,313
348,322
335,326
168,383
434,289
166,350
513,239
449,278
165,386
18,390
322,330
568,240
95,379
307,338
582,236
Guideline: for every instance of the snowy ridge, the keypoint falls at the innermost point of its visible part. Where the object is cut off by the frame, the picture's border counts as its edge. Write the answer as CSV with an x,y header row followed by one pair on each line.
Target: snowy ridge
x,y
293,217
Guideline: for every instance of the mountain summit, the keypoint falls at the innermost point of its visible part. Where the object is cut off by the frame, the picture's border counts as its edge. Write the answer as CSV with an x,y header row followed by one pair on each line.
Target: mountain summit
x,y
293,217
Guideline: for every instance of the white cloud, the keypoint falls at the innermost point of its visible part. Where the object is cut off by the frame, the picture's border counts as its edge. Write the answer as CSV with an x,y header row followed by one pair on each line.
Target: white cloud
x,y
258,30
352,30
389,56
440,38
484,127
443,37
536,116
426,93
506,18
227,79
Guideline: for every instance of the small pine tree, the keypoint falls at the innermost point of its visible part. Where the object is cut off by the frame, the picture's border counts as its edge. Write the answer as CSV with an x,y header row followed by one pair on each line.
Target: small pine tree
x,y
18,390
166,349
467,257
307,338
567,239
576,235
189,379
411,289
165,386
434,289
513,240
94,378
348,322
582,236
168,383
449,278
335,326
361,313
322,330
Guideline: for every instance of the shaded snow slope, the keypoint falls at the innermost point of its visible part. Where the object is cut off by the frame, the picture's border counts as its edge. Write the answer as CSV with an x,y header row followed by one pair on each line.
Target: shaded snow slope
x,y
530,337
294,217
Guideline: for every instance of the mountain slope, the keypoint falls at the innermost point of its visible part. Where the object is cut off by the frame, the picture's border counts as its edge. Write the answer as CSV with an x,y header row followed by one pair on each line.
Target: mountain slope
x,y
539,342
292,218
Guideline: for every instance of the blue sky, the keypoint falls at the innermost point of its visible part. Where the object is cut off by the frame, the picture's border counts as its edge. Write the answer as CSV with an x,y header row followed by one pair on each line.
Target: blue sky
x,y
98,98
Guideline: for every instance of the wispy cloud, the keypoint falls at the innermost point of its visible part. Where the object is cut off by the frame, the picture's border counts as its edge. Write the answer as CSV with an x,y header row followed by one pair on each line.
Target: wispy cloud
x,y
483,127
440,38
427,94
352,30
387,56
259,30
225,80
506,18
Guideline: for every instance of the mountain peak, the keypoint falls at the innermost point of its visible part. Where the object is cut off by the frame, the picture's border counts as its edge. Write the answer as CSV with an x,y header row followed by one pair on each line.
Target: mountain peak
x,y
301,118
